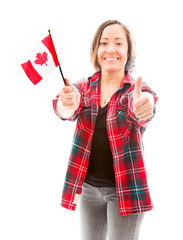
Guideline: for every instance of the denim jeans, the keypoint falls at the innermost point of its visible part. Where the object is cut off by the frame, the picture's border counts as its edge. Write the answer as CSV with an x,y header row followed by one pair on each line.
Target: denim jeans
x,y
100,216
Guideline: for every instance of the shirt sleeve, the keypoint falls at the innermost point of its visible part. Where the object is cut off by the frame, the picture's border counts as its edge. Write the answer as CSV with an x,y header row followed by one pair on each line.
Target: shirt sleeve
x,y
80,85
142,123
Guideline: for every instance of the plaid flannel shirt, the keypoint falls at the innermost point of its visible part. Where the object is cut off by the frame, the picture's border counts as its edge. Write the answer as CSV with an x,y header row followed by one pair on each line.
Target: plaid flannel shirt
x,y
125,136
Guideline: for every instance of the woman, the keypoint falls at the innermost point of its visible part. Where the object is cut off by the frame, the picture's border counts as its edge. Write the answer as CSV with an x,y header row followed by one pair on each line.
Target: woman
x,y
106,163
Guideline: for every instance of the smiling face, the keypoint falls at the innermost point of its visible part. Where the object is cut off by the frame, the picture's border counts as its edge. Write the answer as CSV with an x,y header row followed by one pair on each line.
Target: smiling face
x,y
113,49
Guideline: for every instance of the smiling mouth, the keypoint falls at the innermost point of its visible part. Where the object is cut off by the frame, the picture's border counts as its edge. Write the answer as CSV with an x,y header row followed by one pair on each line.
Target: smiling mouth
x,y
111,59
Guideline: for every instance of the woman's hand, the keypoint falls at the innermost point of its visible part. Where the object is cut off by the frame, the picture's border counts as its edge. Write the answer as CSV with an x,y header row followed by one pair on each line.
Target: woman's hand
x,y
69,96
69,100
142,102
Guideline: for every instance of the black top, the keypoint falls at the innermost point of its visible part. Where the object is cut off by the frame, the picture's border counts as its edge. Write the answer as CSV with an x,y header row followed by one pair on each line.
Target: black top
x,y
100,171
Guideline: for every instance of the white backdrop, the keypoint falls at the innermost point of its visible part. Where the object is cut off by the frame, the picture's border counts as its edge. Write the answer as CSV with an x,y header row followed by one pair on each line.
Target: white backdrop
x,y
35,144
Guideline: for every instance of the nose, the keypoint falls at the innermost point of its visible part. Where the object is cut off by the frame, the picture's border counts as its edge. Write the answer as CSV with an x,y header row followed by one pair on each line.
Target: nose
x,y
111,48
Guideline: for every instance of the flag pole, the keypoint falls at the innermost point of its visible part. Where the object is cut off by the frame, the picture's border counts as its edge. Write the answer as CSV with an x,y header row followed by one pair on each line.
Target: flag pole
x,y
57,57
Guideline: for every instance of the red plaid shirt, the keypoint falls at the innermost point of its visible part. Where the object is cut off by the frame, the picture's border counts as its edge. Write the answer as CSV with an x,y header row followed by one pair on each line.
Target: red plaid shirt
x,y
125,136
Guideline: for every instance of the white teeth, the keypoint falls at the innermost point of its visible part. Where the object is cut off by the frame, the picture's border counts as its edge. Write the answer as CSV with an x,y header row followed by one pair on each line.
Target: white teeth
x,y
111,59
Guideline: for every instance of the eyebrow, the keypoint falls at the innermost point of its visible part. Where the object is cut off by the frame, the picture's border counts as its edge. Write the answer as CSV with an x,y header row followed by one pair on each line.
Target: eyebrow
x,y
115,38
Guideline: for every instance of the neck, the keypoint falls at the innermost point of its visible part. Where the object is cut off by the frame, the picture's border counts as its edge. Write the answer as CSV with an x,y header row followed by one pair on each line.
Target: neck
x,y
112,78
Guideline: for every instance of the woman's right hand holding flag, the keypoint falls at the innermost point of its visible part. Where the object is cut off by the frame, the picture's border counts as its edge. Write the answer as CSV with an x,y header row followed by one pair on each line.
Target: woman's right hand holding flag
x,y
69,100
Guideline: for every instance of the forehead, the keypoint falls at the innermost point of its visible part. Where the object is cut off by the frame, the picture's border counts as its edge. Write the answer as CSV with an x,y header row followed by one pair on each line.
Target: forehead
x,y
114,31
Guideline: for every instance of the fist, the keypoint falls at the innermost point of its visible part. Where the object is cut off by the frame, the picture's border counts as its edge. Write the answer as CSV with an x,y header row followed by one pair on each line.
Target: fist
x,y
142,102
69,96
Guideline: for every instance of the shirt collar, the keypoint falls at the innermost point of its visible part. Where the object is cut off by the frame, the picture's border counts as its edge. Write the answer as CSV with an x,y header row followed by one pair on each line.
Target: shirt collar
x,y
95,77
127,80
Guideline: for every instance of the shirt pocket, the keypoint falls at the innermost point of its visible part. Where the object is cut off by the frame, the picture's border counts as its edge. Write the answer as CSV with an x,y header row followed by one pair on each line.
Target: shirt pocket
x,y
84,117
126,126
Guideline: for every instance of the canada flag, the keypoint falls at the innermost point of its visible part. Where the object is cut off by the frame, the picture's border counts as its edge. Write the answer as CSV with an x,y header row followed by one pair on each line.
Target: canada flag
x,y
43,60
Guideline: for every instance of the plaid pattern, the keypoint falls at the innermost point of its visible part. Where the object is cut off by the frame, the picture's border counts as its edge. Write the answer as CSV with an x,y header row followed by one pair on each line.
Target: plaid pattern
x,y
125,136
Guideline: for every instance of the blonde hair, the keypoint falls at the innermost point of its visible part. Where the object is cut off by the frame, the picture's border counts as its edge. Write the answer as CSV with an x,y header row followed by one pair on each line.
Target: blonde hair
x,y
130,64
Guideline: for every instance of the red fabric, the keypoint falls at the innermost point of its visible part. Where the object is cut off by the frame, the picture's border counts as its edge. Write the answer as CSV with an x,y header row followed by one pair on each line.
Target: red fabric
x,y
31,73
47,41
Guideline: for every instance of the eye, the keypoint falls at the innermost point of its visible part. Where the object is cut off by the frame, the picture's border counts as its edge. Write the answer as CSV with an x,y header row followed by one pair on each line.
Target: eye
x,y
119,44
103,43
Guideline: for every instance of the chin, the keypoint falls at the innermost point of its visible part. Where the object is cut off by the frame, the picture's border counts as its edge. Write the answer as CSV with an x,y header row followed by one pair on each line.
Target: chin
x,y
112,69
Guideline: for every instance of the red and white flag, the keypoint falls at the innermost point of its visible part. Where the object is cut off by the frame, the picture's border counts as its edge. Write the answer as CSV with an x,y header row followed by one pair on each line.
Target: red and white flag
x,y
43,60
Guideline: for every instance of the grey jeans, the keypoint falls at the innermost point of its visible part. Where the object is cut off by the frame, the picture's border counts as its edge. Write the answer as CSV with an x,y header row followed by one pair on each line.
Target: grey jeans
x,y
100,216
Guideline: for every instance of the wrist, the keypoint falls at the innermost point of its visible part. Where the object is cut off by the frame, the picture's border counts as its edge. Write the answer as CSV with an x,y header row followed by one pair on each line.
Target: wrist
x,y
63,110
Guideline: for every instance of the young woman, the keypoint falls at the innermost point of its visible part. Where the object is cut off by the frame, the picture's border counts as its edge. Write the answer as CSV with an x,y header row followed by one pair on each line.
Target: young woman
x,y
106,165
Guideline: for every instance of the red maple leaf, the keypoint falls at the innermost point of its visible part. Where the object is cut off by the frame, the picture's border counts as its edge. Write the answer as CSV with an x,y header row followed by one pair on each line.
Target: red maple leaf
x,y
41,58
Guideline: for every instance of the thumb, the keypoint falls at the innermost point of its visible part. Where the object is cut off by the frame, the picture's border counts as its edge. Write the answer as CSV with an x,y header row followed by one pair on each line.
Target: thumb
x,y
67,83
137,89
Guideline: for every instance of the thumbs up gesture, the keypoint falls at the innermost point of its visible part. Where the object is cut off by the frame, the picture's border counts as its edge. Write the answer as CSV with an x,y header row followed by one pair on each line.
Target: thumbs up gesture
x,y
142,102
